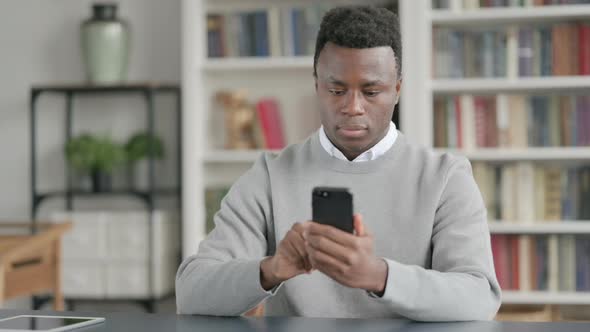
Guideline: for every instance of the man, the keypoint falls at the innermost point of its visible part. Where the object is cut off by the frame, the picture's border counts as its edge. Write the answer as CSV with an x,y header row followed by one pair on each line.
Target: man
x,y
421,246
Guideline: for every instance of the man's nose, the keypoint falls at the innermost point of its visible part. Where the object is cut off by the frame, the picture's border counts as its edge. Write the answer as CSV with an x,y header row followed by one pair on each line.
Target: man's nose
x,y
354,105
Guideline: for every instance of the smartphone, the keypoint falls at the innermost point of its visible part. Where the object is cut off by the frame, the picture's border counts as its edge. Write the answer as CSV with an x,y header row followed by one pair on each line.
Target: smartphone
x,y
332,206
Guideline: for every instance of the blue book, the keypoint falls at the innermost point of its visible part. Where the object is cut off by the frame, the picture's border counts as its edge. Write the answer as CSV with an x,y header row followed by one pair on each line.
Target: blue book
x,y
583,263
533,122
543,104
541,256
546,51
244,38
487,54
525,51
260,34
299,34
500,54
573,122
455,39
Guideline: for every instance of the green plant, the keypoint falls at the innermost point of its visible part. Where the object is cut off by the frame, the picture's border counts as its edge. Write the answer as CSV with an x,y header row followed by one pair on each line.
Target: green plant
x,y
94,154
138,147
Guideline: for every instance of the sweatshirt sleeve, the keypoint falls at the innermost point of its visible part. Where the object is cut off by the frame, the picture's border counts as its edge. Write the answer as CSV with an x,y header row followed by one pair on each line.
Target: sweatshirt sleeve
x,y
223,278
462,283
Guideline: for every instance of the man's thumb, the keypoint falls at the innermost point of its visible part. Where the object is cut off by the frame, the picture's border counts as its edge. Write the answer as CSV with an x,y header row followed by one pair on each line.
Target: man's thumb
x,y
359,227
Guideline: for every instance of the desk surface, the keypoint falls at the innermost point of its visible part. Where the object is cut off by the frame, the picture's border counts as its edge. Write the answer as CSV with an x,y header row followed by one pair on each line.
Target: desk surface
x,y
130,322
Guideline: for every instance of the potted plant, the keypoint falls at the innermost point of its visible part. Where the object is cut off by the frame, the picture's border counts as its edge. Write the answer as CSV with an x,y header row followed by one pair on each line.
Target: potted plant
x,y
96,156
139,148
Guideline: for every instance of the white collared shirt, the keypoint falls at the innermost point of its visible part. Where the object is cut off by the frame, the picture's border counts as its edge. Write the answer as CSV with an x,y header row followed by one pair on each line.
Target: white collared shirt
x,y
373,153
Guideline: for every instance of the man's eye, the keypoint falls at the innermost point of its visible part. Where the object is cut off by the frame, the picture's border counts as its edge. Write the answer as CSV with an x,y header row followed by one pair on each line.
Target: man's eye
x,y
335,92
371,93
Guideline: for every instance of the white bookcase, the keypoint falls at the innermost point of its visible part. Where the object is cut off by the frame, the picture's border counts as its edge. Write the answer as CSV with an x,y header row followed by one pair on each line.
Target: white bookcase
x,y
289,79
428,88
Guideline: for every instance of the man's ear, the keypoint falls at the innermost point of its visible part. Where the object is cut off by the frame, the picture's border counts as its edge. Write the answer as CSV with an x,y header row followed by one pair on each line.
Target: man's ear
x,y
398,89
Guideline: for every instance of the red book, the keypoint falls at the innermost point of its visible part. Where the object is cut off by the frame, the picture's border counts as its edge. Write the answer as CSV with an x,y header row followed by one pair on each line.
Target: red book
x,y
270,123
584,48
458,122
500,252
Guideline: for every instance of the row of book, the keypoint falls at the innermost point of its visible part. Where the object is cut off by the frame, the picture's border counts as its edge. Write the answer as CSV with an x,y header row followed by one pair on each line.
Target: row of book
x,y
512,121
542,263
526,193
526,51
276,31
475,4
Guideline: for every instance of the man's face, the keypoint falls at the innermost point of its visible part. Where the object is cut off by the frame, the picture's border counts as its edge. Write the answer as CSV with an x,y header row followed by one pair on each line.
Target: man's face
x,y
358,90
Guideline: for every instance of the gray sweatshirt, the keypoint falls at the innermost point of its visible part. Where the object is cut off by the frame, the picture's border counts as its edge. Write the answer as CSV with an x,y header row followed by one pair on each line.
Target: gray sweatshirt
x,y
424,210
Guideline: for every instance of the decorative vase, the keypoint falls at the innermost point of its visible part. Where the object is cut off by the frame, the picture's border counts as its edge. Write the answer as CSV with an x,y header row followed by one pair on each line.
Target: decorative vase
x,y
105,45
101,181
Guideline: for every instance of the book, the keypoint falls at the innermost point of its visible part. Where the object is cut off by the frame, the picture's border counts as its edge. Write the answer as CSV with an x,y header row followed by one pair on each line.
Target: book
x,y
269,117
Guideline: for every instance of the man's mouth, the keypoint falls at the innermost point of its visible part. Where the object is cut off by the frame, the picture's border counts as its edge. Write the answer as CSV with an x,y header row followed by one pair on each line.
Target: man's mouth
x,y
352,131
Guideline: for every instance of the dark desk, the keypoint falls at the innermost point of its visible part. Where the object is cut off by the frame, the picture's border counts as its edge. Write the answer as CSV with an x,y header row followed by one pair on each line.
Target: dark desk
x,y
129,322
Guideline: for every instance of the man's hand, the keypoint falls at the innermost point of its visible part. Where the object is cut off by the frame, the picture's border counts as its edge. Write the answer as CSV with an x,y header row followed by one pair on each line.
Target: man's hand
x,y
289,260
349,259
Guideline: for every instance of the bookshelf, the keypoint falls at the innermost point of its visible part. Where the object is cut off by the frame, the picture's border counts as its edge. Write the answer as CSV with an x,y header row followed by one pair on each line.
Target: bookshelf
x,y
288,78
429,86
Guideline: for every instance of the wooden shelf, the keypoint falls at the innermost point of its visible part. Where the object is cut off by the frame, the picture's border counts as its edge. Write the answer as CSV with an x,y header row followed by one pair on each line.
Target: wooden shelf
x,y
524,154
518,15
233,156
541,227
519,84
259,63
542,297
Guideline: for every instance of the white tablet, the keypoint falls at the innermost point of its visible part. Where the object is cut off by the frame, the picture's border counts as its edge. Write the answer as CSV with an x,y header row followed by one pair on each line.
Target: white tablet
x,y
45,323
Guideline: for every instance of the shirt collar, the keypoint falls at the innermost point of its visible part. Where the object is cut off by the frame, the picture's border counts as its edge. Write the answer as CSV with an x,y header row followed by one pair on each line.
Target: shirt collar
x,y
373,153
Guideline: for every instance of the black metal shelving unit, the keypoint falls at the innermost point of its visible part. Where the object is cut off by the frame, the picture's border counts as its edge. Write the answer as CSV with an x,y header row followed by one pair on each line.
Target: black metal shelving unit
x,y
148,91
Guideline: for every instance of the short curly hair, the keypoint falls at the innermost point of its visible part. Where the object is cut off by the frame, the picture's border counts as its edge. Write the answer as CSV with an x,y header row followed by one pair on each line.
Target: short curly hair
x,y
360,27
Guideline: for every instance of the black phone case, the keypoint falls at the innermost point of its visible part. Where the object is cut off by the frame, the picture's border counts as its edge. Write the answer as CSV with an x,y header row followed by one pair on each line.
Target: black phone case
x,y
333,206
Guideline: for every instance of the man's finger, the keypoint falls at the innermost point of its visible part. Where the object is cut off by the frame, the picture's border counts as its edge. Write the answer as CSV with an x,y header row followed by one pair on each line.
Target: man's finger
x,y
339,236
325,263
329,247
